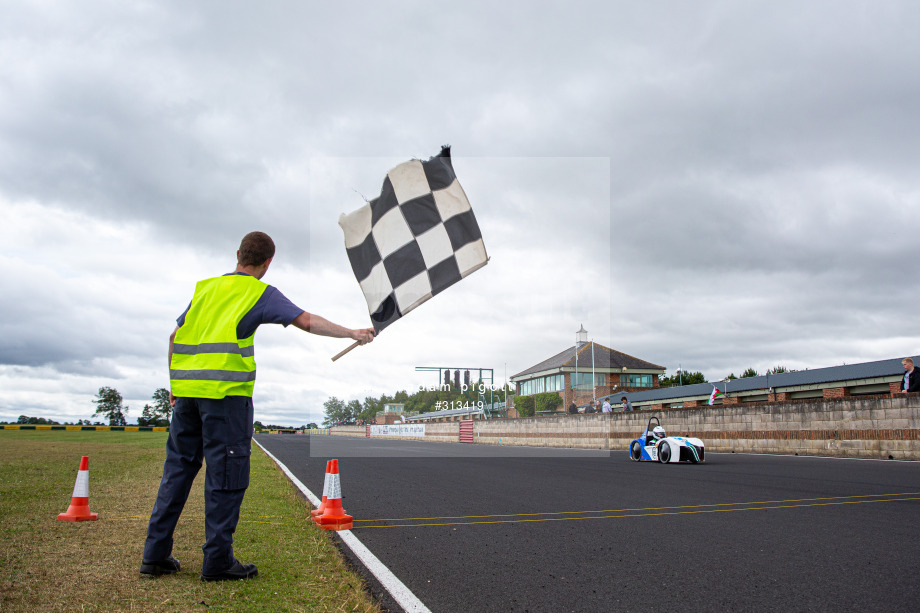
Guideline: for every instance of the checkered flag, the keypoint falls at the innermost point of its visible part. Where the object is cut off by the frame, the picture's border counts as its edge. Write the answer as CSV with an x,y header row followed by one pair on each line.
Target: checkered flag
x,y
413,241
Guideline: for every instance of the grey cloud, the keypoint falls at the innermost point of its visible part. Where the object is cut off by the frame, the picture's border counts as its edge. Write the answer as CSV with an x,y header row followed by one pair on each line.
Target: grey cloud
x,y
762,156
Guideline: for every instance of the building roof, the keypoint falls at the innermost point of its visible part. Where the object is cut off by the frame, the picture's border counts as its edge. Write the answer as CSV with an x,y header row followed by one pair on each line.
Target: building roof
x,y
841,373
604,358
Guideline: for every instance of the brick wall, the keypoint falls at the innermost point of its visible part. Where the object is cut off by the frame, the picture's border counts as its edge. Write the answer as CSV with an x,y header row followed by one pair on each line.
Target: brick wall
x,y
564,431
859,426
349,431
863,426
835,393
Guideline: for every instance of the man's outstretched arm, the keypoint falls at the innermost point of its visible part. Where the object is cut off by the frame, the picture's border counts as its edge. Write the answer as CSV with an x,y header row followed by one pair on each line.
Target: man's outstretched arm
x,y
318,325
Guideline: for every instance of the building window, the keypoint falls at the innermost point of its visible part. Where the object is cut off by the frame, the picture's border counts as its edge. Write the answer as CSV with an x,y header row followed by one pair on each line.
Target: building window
x,y
639,381
554,383
550,383
586,381
532,386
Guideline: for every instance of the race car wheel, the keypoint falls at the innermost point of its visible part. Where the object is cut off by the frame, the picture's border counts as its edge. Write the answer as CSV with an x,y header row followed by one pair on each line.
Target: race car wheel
x,y
635,451
664,452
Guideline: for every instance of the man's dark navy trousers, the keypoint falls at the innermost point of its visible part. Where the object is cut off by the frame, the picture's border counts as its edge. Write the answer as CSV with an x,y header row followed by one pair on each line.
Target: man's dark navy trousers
x,y
218,431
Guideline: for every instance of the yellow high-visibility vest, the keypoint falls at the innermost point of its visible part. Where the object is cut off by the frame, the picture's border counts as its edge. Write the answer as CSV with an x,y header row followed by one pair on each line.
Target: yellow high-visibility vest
x,y
208,360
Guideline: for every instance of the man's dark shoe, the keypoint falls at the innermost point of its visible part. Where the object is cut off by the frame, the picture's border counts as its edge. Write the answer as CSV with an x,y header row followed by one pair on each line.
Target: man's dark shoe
x,y
238,571
160,568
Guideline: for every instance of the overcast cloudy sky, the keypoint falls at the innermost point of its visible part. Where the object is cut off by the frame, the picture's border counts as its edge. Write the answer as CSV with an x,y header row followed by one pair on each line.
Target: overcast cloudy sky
x,y
716,185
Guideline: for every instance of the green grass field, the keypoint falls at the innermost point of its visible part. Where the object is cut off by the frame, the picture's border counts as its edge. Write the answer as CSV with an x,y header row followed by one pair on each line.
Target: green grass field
x,y
52,566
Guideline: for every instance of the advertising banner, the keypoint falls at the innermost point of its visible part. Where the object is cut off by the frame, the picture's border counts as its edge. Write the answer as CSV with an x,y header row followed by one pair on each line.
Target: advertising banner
x,y
398,430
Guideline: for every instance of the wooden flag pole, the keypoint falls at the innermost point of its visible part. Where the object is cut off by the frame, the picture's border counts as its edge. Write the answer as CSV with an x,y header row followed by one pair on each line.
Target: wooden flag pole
x,y
346,350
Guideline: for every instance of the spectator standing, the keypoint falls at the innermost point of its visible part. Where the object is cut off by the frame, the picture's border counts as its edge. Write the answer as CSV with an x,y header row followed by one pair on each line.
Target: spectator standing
x,y
573,409
911,381
627,406
606,406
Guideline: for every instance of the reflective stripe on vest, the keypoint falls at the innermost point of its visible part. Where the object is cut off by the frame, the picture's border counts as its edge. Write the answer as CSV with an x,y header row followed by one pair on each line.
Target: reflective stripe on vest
x,y
208,360
213,348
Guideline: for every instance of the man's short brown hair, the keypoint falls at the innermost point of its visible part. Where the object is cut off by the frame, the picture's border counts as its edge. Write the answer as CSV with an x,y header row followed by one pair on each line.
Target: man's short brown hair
x,y
255,249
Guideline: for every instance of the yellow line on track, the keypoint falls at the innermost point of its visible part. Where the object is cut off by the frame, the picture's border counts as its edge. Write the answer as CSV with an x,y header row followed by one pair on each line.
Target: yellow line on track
x,y
651,511
643,509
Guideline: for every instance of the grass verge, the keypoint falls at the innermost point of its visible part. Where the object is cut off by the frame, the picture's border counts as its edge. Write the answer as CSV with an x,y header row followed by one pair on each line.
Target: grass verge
x,y
52,566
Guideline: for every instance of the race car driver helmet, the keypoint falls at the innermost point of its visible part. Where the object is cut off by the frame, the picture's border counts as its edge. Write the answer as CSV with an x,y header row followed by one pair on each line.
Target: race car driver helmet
x,y
658,432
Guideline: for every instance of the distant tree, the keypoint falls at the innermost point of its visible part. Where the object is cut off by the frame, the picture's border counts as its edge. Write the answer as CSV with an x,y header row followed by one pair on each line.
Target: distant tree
x,y
731,376
159,413
749,372
684,378
110,404
147,417
333,411
370,407
257,425
34,420
352,411
312,425
161,406
779,369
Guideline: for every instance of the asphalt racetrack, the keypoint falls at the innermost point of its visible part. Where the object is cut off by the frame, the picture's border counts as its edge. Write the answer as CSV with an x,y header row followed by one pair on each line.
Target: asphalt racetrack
x,y
501,529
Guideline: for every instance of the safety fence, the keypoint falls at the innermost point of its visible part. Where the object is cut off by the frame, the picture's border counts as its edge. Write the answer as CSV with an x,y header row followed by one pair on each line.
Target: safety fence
x,y
77,427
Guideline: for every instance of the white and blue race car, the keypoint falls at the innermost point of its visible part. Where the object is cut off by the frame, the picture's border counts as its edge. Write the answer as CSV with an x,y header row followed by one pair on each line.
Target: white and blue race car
x,y
654,445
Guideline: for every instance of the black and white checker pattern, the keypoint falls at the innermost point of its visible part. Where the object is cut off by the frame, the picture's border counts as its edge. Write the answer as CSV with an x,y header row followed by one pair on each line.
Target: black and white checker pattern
x,y
416,239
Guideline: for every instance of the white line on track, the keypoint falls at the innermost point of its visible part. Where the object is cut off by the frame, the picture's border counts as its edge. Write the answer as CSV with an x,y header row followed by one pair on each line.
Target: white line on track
x,y
393,585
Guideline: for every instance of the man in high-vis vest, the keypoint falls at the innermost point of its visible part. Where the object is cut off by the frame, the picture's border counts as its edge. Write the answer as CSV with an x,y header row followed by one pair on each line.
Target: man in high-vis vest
x,y
212,371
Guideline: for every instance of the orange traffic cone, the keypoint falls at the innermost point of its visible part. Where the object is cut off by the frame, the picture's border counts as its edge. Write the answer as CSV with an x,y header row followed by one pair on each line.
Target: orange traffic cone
x,y
334,517
314,514
79,502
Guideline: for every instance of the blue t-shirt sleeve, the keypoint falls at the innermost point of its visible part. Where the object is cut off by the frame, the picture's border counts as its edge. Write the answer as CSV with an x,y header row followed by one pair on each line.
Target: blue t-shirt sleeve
x,y
181,319
271,308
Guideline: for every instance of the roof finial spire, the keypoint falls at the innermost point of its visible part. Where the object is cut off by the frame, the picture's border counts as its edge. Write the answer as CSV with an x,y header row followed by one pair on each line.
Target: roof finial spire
x,y
581,335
